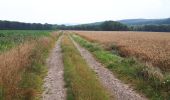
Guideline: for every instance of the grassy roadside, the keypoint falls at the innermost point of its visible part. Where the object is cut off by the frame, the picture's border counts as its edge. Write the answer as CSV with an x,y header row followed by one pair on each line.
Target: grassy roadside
x,y
81,82
33,76
23,69
146,80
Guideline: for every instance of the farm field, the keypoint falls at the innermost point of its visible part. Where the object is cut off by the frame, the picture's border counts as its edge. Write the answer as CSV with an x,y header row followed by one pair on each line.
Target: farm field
x,y
22,55
152,48
85,50
11,38
79,66
84,76
146,79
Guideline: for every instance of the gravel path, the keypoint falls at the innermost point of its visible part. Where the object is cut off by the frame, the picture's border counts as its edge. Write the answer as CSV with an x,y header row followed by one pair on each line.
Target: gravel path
x,y
54,81
117,89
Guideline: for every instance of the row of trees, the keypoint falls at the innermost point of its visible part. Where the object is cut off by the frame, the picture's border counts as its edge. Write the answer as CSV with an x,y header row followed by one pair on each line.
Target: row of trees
x,y
116,26
152,28
105,26
8,25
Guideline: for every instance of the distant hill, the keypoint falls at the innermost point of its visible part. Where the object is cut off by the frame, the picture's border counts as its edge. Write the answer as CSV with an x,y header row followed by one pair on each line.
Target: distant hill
x,y
92,24
146,21
97,26
165,21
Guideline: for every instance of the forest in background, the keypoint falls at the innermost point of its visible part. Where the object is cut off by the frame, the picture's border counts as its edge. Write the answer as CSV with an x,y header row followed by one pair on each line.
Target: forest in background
x,y
99,26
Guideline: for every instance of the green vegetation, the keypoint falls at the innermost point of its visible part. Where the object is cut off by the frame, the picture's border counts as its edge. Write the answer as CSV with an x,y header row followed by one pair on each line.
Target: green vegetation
x,y
161,25
113,26
13,25
23,65
116,26
145,79
164,21
151,28
33,75
103,26
81,82
11,38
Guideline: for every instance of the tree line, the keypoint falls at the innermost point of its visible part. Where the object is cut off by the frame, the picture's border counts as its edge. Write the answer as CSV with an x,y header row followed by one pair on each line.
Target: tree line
x,y
9,25
116,26
102,26
151,28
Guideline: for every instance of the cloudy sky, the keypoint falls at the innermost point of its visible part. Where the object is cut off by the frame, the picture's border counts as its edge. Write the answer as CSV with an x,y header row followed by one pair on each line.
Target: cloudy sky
x,y
81,11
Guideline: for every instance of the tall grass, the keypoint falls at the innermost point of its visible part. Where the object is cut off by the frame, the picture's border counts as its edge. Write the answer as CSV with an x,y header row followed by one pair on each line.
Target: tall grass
x,y
81,82
22,69
12,38
146,79
11,63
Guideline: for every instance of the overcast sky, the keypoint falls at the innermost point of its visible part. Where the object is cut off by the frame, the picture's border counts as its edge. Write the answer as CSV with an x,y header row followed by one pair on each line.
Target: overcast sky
x,y
81,11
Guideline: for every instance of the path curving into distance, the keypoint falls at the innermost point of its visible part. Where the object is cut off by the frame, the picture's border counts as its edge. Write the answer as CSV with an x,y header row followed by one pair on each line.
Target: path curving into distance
x,y
54,81
116,88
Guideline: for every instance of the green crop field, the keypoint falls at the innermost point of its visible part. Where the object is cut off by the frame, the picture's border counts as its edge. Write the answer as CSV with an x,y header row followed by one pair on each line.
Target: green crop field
x,y
11,38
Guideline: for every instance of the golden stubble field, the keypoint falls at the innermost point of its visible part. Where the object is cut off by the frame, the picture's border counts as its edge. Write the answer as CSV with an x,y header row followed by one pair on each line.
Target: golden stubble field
x,y
152,48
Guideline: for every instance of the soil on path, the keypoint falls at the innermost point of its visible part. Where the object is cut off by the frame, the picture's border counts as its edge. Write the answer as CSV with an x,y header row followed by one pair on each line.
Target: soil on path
x,y
117,89
54,81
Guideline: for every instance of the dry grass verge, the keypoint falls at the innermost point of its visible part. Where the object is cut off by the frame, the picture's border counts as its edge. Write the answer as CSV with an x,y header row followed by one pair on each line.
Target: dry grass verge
x,y
12,63
22,69
81,82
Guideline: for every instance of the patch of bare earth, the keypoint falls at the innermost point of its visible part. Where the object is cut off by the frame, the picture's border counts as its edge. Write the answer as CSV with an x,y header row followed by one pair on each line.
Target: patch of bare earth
x,y
54,81
119,90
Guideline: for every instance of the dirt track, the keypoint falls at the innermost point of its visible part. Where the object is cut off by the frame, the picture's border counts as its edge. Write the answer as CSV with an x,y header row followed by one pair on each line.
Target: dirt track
x,y
54,82
118,89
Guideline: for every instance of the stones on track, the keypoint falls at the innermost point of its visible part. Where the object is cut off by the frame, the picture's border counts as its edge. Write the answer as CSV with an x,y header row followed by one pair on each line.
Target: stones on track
x,y
54,81
117,89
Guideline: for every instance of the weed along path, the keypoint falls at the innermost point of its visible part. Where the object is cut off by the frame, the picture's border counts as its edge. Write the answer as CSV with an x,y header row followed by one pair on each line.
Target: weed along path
x,y
54,81
117,89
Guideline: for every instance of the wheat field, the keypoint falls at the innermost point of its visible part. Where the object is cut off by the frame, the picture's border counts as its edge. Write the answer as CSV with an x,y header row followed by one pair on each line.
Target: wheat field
x,y
153,48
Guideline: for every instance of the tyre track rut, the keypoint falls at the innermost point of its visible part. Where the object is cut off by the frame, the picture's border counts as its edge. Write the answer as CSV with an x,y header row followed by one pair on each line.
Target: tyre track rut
x,y
54,81
117,89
